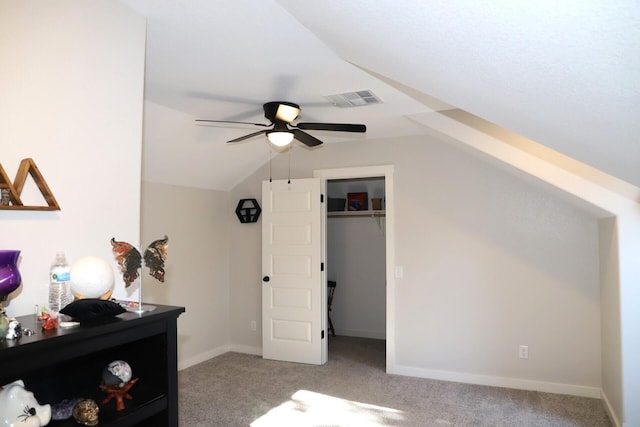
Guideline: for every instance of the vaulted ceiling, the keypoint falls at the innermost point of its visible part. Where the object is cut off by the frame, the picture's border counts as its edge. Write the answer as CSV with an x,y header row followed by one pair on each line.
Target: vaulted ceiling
x,y
564,74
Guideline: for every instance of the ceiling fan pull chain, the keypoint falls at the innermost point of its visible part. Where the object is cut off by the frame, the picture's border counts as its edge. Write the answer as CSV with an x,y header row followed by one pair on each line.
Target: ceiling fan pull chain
x,y
289,149
270,158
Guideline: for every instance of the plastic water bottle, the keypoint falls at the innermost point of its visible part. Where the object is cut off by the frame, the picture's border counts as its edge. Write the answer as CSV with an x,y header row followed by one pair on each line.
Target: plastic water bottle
x,y
60,276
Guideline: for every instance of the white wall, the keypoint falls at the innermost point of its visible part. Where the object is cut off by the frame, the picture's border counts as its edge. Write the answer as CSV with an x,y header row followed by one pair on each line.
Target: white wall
x,y
356,261
628,226
196,221
72,85
493,263
197,266
610,306
607,197
490,261
245,271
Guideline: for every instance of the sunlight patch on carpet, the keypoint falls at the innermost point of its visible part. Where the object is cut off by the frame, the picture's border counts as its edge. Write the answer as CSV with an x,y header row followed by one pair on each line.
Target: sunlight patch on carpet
x,y
307,408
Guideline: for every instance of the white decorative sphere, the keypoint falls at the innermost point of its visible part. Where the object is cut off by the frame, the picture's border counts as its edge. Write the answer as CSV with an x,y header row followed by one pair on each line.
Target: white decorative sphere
x,y
91,277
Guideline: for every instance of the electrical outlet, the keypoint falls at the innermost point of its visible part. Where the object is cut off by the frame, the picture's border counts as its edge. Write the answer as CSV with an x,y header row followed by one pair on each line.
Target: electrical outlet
x,y
253,325
399,272
524,352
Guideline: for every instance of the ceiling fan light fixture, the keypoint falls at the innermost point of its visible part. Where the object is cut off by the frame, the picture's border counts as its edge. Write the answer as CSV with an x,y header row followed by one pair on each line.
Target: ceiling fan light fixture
x,y
280,138
287,112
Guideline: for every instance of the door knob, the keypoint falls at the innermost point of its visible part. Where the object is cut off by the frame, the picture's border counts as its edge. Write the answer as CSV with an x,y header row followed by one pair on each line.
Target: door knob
x,y
265,279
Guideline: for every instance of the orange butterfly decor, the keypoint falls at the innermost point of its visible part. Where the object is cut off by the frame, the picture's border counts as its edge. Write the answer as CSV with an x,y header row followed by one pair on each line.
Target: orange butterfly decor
x,y
130,260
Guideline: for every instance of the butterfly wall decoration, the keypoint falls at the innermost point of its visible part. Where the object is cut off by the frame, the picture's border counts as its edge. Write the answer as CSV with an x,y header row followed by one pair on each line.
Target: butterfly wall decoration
x,y
130,260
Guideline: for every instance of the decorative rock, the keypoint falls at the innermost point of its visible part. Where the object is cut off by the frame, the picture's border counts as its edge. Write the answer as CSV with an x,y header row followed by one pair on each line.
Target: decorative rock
x,y
86,412
116,374
64,409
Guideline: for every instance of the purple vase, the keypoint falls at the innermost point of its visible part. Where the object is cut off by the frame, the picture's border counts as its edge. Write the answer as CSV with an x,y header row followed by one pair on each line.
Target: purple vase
x,y
9,275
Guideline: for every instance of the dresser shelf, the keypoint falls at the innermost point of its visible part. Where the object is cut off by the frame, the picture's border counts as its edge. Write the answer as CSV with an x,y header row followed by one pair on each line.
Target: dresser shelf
x,y
67,363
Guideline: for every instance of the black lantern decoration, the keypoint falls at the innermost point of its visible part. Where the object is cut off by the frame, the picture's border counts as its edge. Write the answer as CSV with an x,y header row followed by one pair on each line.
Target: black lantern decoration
x,y
248,210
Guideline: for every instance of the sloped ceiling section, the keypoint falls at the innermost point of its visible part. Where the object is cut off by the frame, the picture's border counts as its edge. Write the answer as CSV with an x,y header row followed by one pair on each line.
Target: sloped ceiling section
x,y
563,74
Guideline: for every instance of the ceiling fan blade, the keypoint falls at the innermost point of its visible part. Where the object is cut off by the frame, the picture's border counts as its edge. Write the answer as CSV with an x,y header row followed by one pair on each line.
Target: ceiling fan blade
x,y
251,135
305,138
231,121
341,127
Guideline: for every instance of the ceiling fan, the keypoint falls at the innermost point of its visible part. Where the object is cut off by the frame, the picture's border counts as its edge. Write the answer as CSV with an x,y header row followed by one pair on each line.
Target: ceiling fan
x,y
281,132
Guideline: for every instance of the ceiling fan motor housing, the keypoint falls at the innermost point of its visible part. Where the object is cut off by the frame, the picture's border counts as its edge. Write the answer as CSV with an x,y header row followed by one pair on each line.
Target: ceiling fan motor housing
x,y
281,111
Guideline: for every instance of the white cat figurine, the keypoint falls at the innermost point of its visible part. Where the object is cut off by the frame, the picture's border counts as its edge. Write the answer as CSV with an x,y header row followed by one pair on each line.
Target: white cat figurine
x,y
19,408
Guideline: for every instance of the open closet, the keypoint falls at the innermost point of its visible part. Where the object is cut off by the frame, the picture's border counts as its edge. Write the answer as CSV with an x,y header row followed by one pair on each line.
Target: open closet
x,y
356,259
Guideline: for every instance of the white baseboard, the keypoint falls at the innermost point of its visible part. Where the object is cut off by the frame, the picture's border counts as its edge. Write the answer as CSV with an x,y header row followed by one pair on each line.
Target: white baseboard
x,y
199,358
361,334
516,383
246,349
610,412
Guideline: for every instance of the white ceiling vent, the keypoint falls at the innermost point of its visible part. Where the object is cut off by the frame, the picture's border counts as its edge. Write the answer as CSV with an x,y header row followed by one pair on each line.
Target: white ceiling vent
x,y
354,99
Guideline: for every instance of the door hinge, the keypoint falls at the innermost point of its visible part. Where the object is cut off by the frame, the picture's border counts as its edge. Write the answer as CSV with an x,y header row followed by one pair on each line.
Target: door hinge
x,y
322,198
322,335
322,266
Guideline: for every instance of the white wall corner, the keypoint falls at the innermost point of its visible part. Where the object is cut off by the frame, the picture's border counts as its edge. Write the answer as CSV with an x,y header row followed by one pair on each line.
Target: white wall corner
x,y
246,349
610,412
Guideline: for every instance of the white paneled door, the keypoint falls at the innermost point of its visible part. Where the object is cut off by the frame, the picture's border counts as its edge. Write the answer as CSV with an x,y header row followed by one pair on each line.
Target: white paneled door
x,y
292,293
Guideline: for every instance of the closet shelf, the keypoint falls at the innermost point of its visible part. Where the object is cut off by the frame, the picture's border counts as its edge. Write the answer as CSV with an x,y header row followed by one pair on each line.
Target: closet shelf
x,y
360,214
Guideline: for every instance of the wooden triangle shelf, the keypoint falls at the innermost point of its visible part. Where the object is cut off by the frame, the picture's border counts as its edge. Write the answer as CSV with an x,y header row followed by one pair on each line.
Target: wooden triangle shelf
x,y
27,167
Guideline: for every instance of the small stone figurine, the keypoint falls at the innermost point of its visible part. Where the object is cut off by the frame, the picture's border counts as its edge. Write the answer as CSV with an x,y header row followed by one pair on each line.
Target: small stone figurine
x,y
86,412
10,328
6,197
15,329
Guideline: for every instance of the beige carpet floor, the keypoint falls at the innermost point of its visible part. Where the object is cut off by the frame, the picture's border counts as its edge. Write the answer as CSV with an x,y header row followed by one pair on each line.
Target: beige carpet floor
x,y
352,389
